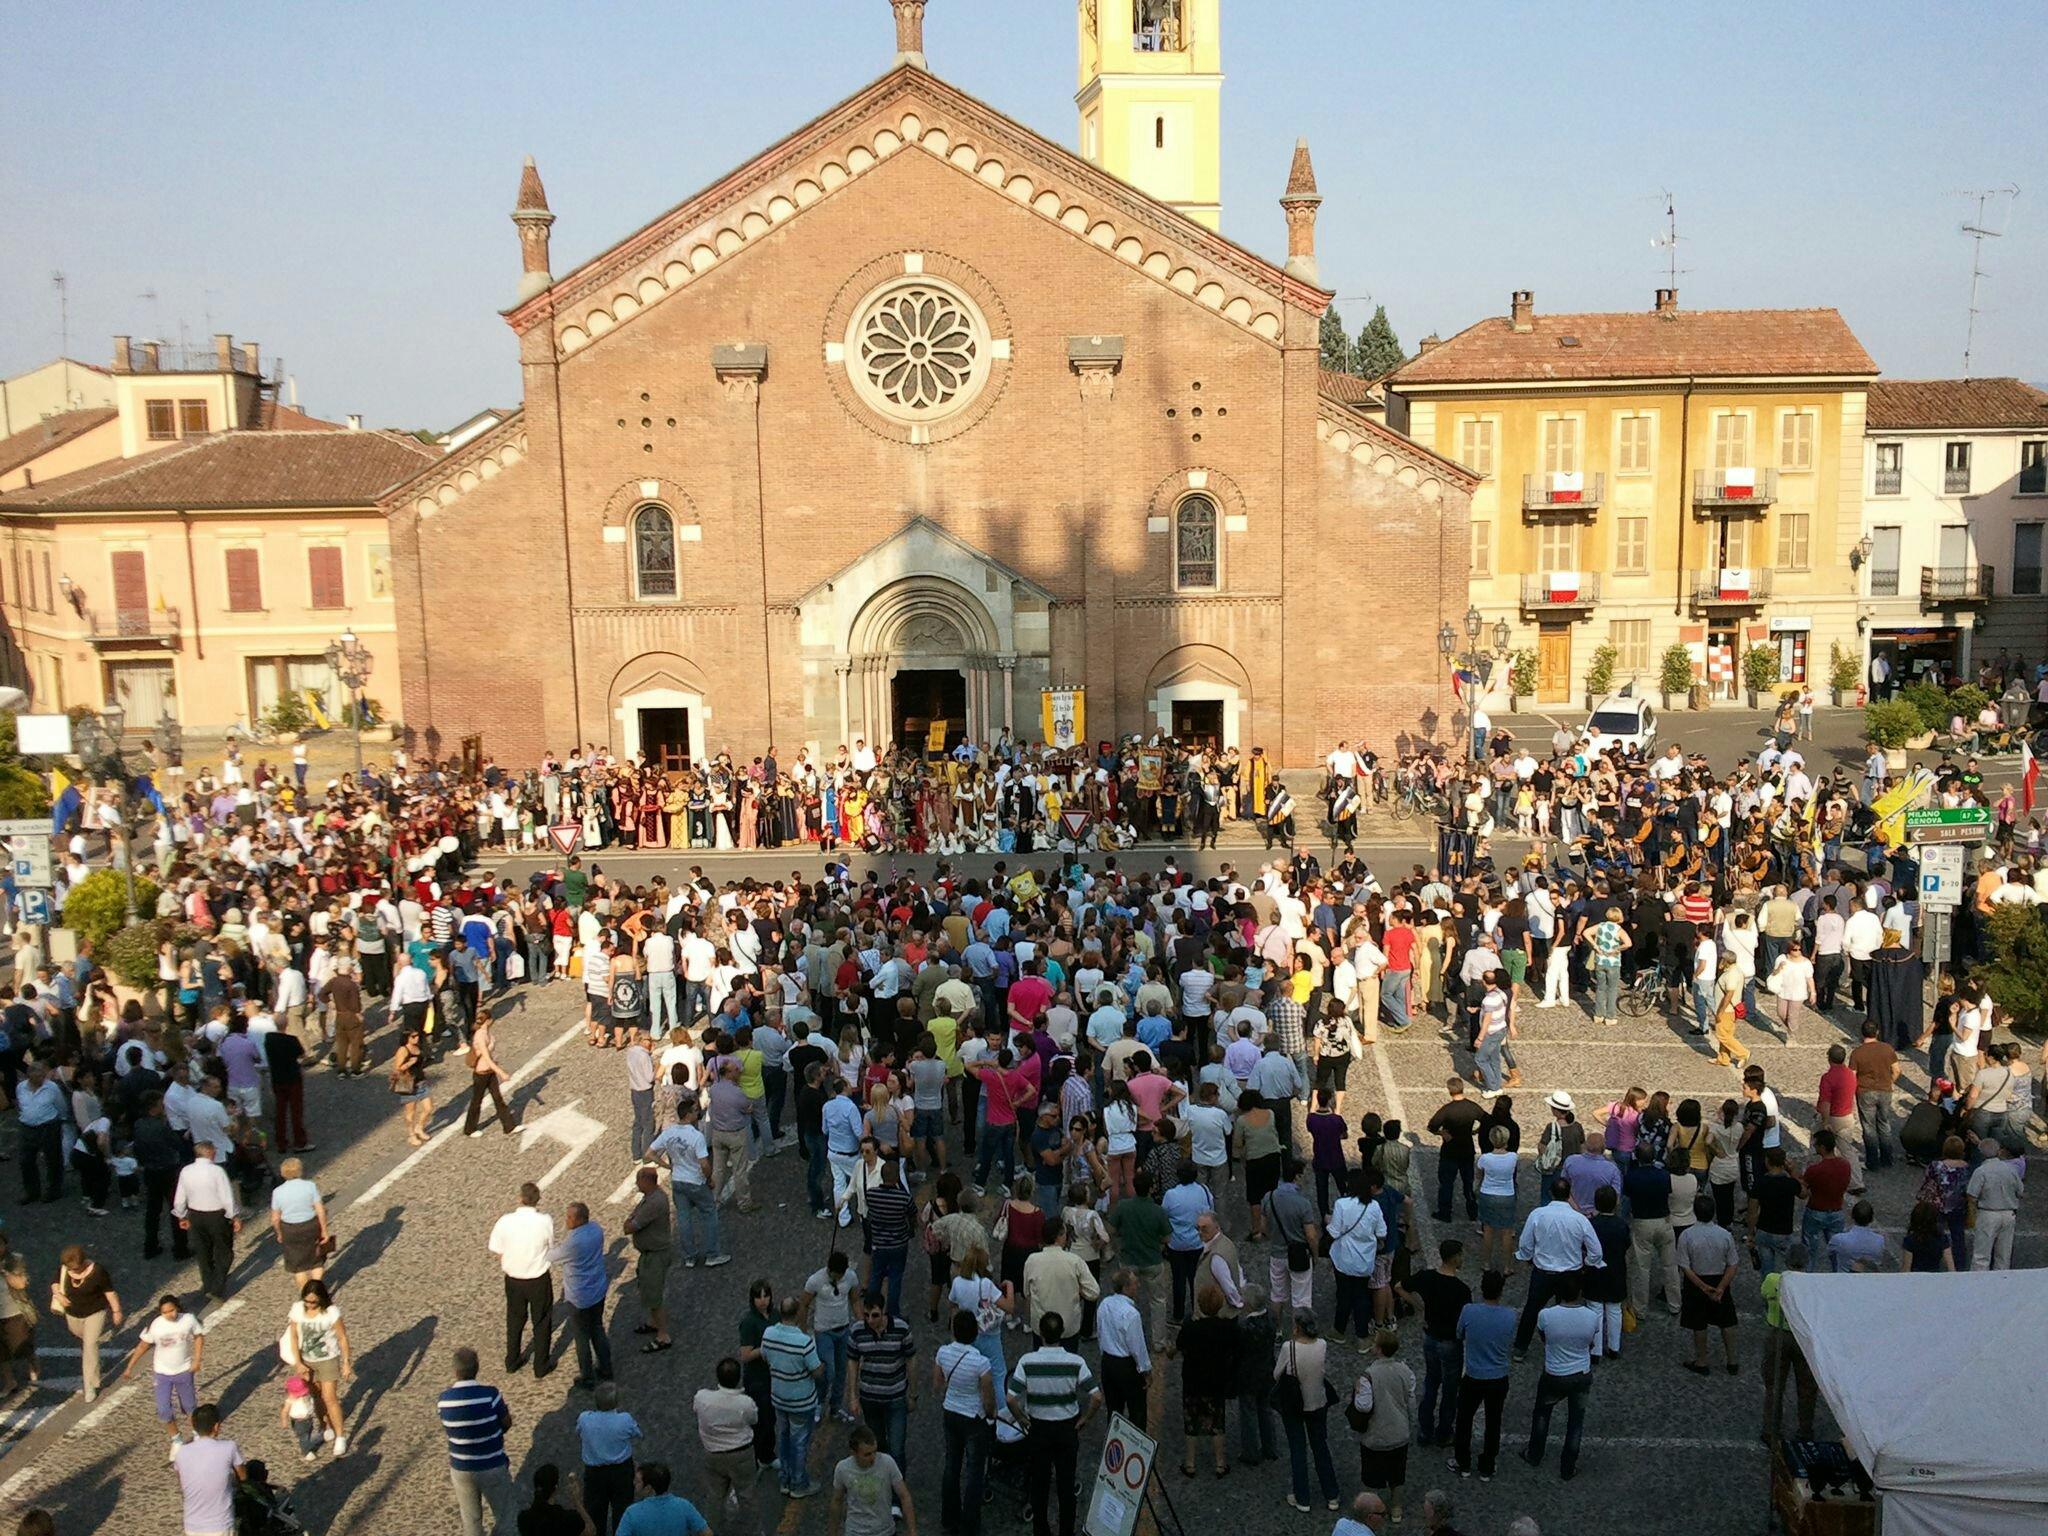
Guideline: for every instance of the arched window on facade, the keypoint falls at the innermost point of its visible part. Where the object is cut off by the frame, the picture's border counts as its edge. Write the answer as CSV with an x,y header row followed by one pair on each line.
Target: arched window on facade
x,y
1194,545
654,552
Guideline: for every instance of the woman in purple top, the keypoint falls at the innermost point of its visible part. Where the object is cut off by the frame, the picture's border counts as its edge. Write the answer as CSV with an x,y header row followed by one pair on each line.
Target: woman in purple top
x,y
1326,1132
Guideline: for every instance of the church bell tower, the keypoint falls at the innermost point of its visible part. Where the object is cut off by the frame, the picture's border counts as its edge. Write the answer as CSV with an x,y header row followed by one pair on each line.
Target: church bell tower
x,y
1151,98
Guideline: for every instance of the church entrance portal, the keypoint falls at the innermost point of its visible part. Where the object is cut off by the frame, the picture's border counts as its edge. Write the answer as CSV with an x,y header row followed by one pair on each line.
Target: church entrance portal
x,y
922,696
665,738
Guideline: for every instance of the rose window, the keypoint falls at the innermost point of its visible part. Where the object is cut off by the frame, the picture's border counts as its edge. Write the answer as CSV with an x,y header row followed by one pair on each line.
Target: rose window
x,y
920,351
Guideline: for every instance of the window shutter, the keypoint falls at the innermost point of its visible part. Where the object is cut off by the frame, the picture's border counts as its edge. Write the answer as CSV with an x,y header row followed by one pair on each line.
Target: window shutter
x,y
131,583
323,564
245,581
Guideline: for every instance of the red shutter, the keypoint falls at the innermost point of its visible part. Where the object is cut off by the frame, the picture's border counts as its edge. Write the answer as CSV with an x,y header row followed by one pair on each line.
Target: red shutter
x,y
245,582
324,566
131,584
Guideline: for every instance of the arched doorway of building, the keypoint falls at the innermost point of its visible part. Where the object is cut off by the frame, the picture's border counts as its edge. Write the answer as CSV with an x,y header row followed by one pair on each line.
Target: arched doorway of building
x,y
923,658
922,698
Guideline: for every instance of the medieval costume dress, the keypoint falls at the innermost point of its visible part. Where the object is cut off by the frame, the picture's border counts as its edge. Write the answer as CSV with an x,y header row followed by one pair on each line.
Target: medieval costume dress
x,y
626,811
723,813
653,812
828,811
675,807
750,812
593,819
1258,782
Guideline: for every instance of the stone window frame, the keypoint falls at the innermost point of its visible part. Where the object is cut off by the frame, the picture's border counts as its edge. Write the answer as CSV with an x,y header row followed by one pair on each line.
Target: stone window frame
x,y
635,570
856,298
1173,533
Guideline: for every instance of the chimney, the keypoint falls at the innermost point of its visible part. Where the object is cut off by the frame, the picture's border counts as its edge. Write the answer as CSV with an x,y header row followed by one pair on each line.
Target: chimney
x,y
1427,343
149,355
1522,309
1667,301
355,422
124,355
1299,203
909,31
252,359
531,217
224,351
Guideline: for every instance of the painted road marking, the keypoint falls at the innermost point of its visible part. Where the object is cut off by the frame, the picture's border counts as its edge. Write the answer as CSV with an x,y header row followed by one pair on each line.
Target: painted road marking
x,y
567,1125
454,1127
1419,1211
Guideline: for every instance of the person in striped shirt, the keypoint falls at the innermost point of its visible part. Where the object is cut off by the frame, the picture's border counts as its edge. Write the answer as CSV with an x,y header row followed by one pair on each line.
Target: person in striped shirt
x,y
794,1372
1054,1392
475,1418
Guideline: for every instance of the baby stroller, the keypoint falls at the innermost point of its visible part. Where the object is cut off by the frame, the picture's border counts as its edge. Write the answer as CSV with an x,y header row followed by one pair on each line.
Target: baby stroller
x,y
262,1510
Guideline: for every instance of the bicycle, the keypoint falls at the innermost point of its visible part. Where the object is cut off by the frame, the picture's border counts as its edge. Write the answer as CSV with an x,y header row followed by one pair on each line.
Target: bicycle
x,y
1417,801
1645,995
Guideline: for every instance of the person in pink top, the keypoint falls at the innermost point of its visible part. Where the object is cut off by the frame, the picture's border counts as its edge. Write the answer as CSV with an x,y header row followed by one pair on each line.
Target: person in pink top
x,y
1152,1091
1030,995
1624,1116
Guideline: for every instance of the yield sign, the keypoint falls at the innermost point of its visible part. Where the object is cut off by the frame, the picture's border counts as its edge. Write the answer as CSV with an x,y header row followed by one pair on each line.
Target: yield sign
x,y
566,836
1074,821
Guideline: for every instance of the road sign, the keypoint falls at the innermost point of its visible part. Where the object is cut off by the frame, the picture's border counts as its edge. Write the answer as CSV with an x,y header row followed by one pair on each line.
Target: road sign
x,y
35,906
1949,824
1941,876
567,836
1120,1479
1934,937
31,859
25,826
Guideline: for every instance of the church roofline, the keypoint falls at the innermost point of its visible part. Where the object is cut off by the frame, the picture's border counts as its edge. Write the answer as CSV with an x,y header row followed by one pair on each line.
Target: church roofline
x,y
573,288
1355,420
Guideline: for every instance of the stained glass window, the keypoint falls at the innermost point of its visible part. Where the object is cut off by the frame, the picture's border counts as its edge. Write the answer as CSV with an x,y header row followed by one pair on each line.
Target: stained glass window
x,y
654,552
1194,543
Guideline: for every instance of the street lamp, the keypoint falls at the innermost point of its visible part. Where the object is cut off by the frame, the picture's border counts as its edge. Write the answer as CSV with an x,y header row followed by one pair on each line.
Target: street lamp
x,y
351,661
1475,658
99,746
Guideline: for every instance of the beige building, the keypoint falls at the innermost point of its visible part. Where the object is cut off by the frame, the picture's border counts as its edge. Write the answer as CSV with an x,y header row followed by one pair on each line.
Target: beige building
x,y
205,578
59,386
1661,477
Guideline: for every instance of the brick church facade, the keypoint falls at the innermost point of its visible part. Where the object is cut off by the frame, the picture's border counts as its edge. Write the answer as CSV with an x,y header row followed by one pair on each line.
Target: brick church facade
x,y
914,415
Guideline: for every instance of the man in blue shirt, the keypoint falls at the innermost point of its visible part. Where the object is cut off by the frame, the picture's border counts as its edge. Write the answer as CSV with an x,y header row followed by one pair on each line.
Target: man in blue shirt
x,y
607,1434
1183,1203
660,1513
581,1255
841,1119
1487,1328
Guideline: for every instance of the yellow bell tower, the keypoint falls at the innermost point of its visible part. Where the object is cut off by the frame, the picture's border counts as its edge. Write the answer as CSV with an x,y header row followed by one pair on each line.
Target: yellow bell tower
x,y
1151,98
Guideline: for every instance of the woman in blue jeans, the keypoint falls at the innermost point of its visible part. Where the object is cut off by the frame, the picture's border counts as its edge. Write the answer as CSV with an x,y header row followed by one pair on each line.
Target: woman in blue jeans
x,y
1305,1413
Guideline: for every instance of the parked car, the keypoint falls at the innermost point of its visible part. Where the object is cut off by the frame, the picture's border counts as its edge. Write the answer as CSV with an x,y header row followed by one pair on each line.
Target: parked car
x,y
1628,723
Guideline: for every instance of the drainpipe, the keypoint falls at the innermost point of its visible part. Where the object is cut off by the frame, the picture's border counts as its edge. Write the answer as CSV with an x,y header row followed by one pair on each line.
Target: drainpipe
x,y
192,587
1684,491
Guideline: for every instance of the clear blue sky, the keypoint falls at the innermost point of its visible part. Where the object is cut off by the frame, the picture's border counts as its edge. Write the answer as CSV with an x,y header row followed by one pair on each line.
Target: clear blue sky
x,y
333,180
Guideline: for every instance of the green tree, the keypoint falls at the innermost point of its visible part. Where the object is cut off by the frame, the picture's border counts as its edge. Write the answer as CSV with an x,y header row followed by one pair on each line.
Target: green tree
x,y
1378,352
2019,981
1334,345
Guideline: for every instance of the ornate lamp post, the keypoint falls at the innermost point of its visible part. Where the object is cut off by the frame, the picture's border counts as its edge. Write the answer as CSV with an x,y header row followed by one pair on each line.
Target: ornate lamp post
x,y
99,747
1474,657
351,663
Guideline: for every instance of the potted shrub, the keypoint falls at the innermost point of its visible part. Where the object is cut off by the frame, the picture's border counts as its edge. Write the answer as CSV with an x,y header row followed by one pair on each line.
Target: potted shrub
x,y
97,907
1843,670
1600,674
1890,726
288,717
1759,672
129,956
1674,672
1521,677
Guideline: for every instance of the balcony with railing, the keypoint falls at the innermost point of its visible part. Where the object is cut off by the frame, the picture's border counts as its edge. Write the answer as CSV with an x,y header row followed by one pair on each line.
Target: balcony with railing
x,y
1955,481
1888,482
1729,588
1561,594
1884,582
1720,492
1576,495
1949,586
133,629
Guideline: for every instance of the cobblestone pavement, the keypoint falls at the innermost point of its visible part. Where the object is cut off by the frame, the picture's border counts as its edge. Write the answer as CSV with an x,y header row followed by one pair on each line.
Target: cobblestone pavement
x,y
414,1280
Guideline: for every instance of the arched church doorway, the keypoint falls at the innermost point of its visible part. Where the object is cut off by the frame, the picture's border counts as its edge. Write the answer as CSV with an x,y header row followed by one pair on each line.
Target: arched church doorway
x,y
924,697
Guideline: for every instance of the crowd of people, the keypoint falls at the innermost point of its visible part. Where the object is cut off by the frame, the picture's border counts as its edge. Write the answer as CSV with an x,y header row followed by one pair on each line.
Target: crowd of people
x,y
1107,1109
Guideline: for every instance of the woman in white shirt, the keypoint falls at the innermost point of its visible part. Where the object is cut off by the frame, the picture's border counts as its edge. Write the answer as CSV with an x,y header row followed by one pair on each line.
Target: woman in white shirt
x,y
320,1347
1791,983
1120,1141
989,1302
1497,1168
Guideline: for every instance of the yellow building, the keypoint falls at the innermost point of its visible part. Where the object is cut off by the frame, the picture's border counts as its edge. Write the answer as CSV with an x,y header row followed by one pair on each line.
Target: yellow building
x,y
206,577
1657,477
1151,98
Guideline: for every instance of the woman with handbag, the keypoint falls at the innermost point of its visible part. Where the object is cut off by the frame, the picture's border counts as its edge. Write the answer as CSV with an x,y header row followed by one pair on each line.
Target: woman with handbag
x,y
1303,1395
18,1319
299,1218
1381,1414
1207,1347
409,1082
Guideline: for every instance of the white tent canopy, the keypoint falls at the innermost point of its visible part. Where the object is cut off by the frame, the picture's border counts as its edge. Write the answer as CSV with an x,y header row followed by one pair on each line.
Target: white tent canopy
x,y
1934,1379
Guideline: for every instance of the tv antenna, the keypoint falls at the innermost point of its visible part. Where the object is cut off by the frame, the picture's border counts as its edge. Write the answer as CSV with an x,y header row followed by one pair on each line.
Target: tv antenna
x,y
1668,242
156,314
63,287
1979,230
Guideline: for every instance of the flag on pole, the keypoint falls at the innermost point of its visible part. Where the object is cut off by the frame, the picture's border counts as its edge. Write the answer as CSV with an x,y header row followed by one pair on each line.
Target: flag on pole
x,y
2030,773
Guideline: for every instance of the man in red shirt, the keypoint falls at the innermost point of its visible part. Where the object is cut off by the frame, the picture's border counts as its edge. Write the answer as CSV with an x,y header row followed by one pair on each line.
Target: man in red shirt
x,y
1826,1180
1836,1105
1399,948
